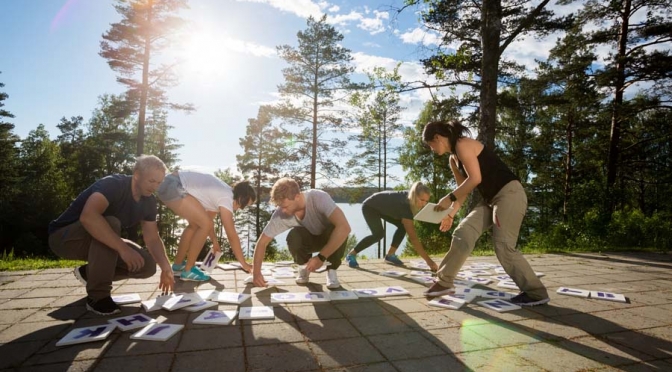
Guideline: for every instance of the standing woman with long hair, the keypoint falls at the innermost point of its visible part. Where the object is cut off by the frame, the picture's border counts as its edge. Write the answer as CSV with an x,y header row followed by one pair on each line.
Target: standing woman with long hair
x,y
503,207
397,208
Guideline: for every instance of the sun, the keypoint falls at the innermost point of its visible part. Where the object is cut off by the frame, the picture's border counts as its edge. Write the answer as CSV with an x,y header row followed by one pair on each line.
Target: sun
x,y
203,55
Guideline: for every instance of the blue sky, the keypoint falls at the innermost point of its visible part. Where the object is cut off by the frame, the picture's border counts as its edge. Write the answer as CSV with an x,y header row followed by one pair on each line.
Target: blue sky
x,y
51,67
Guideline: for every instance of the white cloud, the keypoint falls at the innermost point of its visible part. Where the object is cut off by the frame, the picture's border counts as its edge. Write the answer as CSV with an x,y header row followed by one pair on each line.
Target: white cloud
x,y
344,19
334,9
245,47
374,25
302,8
371,44
525,50
420,36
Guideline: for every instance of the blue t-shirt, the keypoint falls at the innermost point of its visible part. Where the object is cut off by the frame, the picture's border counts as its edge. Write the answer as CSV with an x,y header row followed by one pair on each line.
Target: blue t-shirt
x,y
117,190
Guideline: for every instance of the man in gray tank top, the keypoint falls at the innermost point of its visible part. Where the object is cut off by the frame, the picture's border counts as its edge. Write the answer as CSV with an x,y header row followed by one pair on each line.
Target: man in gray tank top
x,y
317,225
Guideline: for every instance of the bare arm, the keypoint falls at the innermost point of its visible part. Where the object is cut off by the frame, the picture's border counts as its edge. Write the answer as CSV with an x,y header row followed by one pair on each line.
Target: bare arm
x,y
468,150
337,237
95,224
232,235
150,234
413,237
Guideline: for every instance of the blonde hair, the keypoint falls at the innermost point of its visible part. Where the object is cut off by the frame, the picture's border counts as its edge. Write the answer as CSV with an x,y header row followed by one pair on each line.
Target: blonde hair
x,y
417,189
284,188
143,163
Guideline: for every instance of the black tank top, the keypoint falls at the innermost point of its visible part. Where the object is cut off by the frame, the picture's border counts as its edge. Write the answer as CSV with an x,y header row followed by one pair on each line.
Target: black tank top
x,y
494,174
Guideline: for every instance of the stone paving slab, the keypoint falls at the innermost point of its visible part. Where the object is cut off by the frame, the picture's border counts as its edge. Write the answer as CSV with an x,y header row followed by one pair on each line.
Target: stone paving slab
x,y
39,307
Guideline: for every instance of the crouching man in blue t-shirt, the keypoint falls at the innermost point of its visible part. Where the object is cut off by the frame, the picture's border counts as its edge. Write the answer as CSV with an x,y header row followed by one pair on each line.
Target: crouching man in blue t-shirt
x,y
90,230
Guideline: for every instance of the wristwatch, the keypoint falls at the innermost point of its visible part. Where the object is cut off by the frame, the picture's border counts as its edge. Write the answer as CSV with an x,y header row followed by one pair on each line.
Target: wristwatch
x,y
321,257
452,197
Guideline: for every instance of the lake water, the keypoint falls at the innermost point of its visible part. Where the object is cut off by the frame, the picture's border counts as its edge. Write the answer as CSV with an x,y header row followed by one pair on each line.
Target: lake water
x,y
353,213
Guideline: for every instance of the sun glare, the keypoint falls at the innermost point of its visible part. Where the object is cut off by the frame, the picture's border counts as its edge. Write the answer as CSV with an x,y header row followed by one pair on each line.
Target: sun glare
x,y
204,56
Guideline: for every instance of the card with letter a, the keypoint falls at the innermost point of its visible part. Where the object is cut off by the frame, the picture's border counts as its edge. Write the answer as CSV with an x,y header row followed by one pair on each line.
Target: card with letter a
x,y
216,317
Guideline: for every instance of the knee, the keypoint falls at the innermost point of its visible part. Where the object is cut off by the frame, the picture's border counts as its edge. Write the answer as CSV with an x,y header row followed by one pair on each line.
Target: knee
x,y
294,240
149,269
464,237
378,235
114,223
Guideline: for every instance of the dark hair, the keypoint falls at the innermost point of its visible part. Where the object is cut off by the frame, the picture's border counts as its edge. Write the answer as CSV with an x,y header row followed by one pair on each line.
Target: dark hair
x,y
453,130
244,193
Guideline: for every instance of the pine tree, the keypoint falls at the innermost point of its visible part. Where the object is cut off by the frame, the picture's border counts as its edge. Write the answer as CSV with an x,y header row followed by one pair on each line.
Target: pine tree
x,y
131,47
9,180
641,56
474,35
317,77
264,153
376,117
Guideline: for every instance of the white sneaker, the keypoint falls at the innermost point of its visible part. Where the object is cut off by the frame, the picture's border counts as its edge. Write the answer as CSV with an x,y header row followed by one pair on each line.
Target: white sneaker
x,y
303,276
332,279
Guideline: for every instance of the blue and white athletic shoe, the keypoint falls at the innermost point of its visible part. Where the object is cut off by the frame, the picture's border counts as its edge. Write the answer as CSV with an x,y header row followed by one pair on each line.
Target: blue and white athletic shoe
x,y
351,259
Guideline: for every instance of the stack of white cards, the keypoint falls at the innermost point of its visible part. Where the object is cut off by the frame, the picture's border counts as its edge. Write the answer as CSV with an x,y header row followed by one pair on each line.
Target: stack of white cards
x,y
256,313
126,299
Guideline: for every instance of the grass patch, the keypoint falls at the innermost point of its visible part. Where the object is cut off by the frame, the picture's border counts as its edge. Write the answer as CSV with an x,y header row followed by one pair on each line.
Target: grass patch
x,y
9,262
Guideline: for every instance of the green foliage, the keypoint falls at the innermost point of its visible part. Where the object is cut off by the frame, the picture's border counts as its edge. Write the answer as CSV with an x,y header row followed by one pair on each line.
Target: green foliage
x,y
317,77
131,47
376,114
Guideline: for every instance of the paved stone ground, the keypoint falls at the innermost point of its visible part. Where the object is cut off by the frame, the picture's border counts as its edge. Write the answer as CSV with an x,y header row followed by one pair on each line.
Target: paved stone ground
x,y
37,308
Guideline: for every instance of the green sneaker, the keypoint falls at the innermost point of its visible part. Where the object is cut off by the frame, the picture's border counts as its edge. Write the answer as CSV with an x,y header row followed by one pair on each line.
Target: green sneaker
x,y
352,261
179,268
194,275
393,259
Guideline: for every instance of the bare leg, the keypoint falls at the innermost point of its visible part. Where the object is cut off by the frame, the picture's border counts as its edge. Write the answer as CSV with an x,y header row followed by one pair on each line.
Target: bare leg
x,y
183,246
199,222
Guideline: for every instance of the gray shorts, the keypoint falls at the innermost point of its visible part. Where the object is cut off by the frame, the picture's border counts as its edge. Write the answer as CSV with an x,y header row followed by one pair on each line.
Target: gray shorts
x,y
171,189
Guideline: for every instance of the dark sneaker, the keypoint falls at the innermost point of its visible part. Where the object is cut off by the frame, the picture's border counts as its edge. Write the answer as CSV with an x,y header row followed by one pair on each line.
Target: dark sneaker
x,y
104,306
393,260
522,299
80,274
438,290
352,261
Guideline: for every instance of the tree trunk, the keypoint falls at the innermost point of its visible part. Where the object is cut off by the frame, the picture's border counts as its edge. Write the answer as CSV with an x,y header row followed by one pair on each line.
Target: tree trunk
x,y
616,119
491,25
568,168
144,88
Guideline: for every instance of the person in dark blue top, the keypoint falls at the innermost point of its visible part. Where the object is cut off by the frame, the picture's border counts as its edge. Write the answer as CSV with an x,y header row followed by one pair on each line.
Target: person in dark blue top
x,y
503,207
90,230
397,208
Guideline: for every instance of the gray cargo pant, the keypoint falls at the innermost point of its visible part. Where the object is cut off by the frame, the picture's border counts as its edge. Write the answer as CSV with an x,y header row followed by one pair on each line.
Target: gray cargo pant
x,y
73,242
505,216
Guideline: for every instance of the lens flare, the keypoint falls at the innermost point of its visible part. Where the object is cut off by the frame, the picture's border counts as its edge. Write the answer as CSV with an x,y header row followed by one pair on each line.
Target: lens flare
x,y
61,15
